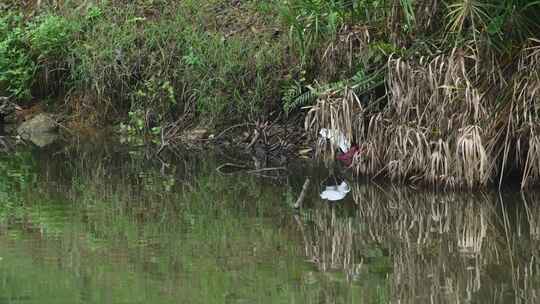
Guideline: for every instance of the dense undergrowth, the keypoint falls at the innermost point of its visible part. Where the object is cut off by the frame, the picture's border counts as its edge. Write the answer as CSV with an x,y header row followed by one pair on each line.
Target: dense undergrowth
x,y
442,92
160,59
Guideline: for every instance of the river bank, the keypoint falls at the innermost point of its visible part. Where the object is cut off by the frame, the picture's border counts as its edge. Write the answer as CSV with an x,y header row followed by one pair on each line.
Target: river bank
x,y
441,94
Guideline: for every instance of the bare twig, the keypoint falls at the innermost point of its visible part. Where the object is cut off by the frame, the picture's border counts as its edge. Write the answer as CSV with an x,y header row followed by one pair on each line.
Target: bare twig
x,y
255,137
303,193
266,169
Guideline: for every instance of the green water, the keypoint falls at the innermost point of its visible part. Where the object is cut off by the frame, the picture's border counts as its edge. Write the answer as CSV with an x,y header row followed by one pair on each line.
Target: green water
x,y
105,224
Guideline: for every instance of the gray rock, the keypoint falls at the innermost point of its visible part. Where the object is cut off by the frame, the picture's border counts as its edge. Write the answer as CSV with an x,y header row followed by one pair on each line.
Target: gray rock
x,y
43,139
41,130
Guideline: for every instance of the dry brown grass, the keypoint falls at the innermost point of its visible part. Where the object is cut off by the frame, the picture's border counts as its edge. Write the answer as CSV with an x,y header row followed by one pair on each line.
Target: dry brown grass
x,y
340,53
337,112
455,120
329,244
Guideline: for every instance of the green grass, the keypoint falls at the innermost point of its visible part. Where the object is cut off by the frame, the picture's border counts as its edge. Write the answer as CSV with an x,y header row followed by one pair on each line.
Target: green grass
x,y
161,56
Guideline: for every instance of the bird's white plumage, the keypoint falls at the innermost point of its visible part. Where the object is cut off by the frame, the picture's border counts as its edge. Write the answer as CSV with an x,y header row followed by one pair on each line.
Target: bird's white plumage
x,y
337,138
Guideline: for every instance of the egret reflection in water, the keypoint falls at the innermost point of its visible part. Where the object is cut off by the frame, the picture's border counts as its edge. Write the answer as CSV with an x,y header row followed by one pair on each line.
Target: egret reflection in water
x,y
335,188
336,192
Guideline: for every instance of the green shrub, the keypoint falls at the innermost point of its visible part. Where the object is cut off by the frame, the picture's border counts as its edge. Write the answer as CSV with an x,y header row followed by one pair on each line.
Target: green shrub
x,y
311,22
234,78
16,66
51,36
25,47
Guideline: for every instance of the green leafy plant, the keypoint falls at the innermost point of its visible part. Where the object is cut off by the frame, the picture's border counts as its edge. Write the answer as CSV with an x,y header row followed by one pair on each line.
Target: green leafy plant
x,y
298,95
149,106
51,36
311,21
16,66
25,46
94,13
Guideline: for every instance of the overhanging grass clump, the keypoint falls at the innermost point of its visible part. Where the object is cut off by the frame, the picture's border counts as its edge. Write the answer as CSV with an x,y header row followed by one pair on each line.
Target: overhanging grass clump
x,y
461,103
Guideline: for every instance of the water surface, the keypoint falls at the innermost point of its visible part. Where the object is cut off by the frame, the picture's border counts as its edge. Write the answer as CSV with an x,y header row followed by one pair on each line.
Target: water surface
x,y
101,223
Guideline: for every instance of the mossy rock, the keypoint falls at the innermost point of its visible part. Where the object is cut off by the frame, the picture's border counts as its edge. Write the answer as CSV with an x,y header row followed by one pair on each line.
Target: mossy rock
x,y
41,129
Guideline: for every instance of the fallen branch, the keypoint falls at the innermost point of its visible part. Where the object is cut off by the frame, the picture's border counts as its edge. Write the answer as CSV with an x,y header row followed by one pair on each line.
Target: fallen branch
x,y
230,128
255,137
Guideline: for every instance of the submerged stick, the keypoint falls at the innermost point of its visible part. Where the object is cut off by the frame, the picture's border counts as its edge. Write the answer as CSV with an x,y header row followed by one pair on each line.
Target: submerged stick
x,y
266,169
302,196
220,168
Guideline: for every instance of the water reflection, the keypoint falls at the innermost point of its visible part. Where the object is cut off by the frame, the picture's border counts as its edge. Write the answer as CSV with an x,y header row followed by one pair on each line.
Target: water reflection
x,y
335,188
430,247
112,225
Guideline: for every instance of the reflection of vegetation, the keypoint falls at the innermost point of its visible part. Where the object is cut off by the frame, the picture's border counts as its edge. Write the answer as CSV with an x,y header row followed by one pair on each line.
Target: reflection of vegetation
x,y
17,174
334,242
18,171
407,247
18,177
460,246
119,227
156,236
